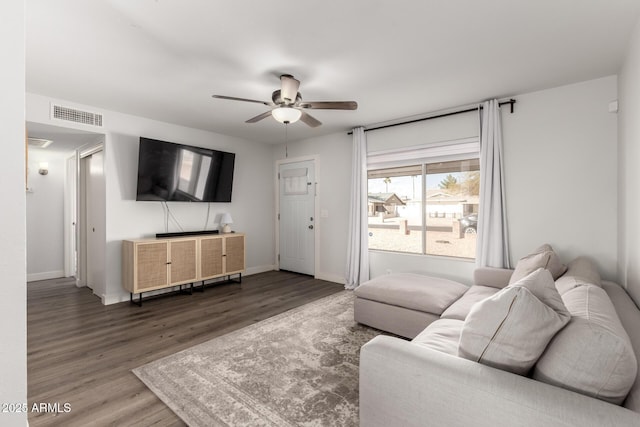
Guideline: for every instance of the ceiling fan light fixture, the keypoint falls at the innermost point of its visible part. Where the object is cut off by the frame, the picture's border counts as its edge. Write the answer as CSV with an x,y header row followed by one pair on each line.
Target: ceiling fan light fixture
x,y
286,114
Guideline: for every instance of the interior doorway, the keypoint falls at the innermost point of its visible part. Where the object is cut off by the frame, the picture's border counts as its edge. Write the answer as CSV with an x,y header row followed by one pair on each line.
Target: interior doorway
x,y
53,200
91,228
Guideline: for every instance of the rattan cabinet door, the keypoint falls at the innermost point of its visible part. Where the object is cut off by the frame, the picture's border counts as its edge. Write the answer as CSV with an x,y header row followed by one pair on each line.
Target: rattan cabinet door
x,y
234,250
151,266
183,261
210,257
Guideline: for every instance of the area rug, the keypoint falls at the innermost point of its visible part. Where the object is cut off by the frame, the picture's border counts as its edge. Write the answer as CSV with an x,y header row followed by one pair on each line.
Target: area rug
x,y
299,368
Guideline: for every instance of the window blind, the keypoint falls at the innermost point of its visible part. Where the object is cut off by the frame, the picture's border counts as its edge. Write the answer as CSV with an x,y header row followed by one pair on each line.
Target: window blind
x,y
459,149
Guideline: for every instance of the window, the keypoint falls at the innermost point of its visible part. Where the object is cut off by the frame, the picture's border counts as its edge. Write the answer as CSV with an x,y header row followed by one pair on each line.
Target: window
x,y
194,169
425,208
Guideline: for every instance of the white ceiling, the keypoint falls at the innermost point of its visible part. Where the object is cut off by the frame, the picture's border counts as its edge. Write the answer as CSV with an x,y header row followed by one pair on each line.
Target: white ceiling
x,y
163,59
64,139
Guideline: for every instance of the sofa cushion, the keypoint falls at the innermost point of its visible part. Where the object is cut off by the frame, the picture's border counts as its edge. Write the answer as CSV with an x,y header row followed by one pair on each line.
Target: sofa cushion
x,y
511,329
492,276
442,335
592,354
460,309
414,291
542,257
580,271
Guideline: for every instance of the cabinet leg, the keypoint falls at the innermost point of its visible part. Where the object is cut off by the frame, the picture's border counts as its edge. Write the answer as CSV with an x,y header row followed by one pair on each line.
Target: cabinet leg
x,y
187,291
201,287
131,300
231,280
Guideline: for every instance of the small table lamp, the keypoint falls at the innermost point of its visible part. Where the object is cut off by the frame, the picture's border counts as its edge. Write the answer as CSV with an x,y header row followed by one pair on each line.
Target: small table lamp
x,y
226,222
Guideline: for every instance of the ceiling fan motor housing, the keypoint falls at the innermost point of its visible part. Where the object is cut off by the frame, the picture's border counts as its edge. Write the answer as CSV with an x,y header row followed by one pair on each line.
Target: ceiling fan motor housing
x,y
276,97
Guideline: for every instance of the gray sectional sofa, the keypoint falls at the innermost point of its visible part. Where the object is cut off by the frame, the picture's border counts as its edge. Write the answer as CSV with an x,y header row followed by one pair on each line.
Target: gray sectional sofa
x,y
563,351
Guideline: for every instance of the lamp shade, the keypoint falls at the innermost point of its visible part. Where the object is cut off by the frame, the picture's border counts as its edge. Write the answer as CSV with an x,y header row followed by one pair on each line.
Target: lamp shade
x,y
286,114
44,168
226,219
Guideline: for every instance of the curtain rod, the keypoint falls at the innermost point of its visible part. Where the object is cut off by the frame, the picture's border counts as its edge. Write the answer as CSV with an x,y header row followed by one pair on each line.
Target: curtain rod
x,y
468,110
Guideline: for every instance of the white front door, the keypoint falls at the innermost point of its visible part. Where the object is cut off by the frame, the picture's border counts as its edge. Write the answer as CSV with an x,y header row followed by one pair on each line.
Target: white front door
x,y
297,222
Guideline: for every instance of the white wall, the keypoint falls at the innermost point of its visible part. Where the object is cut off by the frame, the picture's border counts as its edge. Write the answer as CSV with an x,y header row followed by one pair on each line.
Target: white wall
x,y
13,307
334,174
560,157
560,165
45,215
628,175
253,196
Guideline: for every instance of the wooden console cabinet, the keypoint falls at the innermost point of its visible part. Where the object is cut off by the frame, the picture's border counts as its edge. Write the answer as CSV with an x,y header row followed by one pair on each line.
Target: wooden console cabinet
x,y
150,264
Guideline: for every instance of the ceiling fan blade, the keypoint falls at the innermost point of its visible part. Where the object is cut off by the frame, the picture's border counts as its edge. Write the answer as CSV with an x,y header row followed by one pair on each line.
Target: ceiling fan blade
x,y
233,98
259,117
310,120
330,105
289,90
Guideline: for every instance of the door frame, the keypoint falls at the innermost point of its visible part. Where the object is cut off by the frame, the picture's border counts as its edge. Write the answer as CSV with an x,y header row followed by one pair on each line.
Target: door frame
x,y
70,216
81,219
315,158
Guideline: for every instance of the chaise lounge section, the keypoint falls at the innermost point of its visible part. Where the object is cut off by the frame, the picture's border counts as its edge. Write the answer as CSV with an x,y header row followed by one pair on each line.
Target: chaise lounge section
x,y
404,303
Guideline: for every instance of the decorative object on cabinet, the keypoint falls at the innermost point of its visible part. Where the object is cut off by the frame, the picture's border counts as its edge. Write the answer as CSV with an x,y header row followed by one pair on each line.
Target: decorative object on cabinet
x,y
226,222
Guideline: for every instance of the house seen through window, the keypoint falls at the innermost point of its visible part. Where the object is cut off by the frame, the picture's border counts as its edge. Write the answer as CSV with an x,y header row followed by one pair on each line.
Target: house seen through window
x,y
428,208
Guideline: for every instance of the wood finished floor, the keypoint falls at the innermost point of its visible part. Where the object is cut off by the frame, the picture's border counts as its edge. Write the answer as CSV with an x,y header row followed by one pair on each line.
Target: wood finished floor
x,y
81,352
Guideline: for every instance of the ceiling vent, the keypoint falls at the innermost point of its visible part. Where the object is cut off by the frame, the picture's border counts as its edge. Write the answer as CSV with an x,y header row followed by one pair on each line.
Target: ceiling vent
x,y
67,114
39,142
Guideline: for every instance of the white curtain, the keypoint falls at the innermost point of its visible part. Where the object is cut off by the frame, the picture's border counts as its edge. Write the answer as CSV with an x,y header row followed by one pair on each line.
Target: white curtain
x,y
357,248
492,249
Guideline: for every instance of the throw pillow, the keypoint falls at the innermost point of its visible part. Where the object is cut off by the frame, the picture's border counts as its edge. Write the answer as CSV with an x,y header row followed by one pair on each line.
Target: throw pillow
x,y
581,271
542,257
511,329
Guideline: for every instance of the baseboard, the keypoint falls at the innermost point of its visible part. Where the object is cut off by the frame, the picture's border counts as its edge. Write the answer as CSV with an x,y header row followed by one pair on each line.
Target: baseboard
x,y
113,299
259,269
45,275
331,278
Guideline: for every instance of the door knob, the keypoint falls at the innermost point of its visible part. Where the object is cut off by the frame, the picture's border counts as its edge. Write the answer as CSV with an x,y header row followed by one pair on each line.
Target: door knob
x,y
311,227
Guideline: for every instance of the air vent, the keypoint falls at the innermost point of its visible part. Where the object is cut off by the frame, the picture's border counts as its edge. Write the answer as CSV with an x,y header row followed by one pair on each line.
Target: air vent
x,y
77,116
40,143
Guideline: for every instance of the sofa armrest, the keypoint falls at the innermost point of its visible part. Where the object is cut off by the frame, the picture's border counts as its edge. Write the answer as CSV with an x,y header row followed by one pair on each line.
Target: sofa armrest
x,y
491,276
409,385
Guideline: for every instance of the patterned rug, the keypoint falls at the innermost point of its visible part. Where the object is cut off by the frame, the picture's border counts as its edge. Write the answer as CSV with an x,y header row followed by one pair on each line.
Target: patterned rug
x,y
299,368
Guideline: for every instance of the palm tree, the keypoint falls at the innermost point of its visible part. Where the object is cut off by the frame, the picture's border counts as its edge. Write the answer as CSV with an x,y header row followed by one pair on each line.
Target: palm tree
x,y
449,183
386,181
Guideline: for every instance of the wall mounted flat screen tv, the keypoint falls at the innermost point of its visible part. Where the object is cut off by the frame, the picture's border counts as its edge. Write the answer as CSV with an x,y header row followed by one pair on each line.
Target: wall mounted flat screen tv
x,y
182,173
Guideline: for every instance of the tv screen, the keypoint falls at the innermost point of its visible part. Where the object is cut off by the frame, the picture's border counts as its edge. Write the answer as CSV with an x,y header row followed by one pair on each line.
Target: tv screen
x,y
182,173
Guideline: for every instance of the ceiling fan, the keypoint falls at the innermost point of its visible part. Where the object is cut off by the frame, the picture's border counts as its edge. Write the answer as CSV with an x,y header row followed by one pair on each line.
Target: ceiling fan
x,y
288,104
